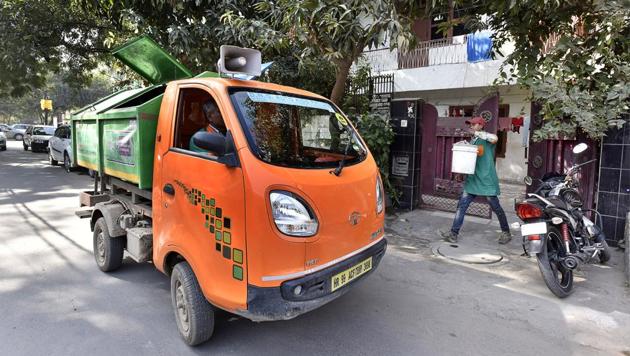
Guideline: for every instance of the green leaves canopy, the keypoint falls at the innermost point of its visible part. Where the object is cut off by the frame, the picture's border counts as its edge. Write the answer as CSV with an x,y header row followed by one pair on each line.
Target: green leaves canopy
x,y
573,55
334,30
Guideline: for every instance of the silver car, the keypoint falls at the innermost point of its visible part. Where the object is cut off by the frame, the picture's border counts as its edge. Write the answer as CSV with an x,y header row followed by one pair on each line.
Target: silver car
x,y
36,137
17,131
3,141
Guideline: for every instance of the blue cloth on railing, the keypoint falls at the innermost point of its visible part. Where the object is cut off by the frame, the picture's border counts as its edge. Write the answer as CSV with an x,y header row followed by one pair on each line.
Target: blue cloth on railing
x,y
479,46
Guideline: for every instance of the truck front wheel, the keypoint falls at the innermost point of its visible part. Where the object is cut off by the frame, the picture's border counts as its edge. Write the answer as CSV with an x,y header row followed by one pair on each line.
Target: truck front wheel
x,y
108,251
193,313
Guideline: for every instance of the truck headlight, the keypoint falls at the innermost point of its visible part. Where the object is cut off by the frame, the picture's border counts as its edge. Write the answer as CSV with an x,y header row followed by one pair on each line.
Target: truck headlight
x,y
292,215
379,195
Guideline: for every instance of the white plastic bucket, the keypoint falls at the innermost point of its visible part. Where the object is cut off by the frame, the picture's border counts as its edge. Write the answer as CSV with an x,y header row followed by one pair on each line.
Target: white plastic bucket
x,y
464,158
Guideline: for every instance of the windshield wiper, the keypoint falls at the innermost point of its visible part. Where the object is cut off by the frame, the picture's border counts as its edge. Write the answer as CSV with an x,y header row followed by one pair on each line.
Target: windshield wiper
x,y
337,171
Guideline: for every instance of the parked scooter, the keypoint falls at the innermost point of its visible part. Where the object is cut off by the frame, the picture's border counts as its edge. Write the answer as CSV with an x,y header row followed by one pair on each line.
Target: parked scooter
x,y
556,230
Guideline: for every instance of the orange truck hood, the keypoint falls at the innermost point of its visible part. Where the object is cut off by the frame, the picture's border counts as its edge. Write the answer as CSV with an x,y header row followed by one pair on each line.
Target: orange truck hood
x,y
345,207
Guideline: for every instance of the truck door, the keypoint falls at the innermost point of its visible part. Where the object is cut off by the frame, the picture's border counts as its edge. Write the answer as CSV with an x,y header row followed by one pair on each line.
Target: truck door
x,y
202,202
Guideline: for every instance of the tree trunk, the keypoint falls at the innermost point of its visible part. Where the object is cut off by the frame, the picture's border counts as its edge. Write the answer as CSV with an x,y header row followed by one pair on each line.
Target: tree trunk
x,y
343,68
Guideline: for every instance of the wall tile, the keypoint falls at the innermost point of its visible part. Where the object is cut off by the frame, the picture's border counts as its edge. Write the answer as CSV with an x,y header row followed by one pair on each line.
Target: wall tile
x,y
624,187
609,180
626,130
611,156
624,205
609,228
626,157
607,203
614,135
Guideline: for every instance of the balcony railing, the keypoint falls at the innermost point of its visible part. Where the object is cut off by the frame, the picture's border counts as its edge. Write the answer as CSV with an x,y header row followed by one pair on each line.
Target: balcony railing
x,y
429,53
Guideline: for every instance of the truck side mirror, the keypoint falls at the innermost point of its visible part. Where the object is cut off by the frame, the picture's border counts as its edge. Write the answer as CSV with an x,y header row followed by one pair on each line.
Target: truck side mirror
x,y
222,146
210,141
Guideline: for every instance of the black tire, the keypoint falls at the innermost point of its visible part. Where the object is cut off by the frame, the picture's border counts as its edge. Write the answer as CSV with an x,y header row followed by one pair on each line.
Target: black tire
x,y
557,277
25,146
193,313
3,148
604,255
66,163
108,251
53,162
18,137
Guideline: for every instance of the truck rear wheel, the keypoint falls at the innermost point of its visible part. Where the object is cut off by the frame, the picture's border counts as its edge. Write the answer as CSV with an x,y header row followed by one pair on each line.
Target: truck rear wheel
x,y
193,313
108,251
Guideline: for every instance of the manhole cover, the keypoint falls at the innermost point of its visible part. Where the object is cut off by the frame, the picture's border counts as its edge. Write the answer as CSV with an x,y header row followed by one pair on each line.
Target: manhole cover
x,y
469,254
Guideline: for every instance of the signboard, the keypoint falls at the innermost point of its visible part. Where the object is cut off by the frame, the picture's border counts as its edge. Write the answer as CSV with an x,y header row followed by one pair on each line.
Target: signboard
x,y
400,166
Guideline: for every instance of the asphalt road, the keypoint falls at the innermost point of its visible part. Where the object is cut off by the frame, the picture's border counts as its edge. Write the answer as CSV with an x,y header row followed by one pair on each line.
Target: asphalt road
x,y
54,300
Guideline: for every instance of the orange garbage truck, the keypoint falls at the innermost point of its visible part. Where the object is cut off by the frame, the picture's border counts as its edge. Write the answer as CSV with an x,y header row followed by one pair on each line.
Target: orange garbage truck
x,y
255,198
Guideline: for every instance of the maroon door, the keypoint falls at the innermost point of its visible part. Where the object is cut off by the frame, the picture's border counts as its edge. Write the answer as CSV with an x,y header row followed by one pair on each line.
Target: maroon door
x,y
556,155
438,187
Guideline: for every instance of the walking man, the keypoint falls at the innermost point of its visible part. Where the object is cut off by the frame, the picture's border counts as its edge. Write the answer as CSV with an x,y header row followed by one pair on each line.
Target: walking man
x,y
483,183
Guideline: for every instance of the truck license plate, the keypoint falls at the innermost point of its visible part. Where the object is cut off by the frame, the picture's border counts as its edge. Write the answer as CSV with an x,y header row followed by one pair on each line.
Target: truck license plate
x,y
539,228
341,279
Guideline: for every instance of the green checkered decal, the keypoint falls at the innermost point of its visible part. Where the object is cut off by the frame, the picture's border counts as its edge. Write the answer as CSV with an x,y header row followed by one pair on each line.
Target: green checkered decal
x,y
218,227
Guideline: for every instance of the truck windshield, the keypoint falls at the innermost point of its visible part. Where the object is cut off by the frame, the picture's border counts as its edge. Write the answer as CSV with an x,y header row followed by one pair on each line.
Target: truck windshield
x,y
295,131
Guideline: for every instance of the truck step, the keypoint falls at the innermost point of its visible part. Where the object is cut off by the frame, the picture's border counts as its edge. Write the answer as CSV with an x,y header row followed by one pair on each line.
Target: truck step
x,y
84,212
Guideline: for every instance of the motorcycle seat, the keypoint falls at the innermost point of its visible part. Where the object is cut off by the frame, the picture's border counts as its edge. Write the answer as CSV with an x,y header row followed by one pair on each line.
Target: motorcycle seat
x,y
558,202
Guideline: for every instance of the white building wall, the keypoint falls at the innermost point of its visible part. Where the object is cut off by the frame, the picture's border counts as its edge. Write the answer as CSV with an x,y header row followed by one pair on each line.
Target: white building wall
x,y
447,76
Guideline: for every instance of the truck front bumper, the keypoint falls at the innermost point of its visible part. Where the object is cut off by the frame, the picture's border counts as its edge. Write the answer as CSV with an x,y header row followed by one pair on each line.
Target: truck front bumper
x,y
282,303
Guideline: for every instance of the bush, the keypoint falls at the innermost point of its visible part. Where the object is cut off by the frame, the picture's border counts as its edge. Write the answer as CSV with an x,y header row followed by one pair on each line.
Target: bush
x,y
378,134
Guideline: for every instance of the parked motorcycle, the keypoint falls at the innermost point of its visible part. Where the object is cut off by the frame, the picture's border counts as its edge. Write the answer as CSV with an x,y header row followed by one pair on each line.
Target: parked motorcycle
x,y
556,230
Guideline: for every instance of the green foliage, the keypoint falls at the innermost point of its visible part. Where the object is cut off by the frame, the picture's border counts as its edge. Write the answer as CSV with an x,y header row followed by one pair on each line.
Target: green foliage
x,y
378,134
26,108
335,30
315,75
573,55
356,101
39,37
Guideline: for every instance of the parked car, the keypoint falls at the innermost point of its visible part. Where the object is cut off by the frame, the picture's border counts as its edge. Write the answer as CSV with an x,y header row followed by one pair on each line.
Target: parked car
x,y
17,131
5,128
36,137
3,141
60,148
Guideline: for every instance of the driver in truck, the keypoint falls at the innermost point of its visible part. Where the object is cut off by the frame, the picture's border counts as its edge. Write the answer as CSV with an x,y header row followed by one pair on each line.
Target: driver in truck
x,y
483,183
213,123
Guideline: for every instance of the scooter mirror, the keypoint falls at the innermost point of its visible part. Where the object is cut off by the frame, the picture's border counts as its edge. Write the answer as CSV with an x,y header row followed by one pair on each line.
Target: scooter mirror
x,y
528,180
579,148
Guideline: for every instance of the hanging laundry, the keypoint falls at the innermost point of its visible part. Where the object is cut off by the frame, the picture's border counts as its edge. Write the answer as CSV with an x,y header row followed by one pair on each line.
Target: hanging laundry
x,y
517,122
479,46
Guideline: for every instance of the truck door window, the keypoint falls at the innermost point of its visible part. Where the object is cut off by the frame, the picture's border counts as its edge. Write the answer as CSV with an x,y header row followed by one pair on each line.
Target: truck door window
x,y
196,110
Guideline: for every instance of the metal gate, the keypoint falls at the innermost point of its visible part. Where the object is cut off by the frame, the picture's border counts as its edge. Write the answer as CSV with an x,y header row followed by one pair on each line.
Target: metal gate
x,y
556,155
439,190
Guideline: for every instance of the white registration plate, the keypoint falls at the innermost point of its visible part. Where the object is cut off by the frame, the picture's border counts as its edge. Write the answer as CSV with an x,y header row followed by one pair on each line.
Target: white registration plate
x,y
539,228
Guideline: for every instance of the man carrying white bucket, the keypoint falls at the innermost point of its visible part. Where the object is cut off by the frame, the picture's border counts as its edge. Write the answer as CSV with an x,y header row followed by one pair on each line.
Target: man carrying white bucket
x,y
483,182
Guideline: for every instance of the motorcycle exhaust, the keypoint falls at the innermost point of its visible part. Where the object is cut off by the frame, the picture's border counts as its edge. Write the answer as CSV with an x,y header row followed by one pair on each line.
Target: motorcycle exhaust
x,y
571,262
576,260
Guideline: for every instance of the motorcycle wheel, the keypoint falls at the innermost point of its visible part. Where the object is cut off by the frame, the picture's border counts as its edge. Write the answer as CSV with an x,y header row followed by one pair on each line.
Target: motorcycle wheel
x,y
604,255
557,277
